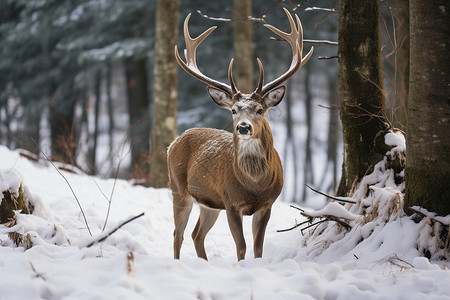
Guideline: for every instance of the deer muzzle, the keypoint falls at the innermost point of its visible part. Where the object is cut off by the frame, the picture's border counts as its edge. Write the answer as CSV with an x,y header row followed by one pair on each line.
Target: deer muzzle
x,y
244,129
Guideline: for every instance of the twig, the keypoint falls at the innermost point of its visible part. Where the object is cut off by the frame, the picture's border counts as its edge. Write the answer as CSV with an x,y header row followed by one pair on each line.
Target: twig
x,y
107,235
313,9
312,42
293,227
38,275
298,208
314,224
76,198
328,57
340,199
114,187
213,18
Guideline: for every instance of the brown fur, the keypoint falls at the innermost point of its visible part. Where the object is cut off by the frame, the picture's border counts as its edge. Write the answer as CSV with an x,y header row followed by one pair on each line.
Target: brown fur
x,y
204,164
240,172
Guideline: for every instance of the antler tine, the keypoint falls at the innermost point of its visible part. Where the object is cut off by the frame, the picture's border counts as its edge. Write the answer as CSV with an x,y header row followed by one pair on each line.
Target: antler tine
x,y
261,77
234,90
295,39
190,66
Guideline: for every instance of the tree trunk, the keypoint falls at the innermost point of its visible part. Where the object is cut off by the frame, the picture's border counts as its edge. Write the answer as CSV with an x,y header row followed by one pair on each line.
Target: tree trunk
x,y
32,121
290,143
401,63
427,173
243,36
61,127
308,173
93,144
363,115
111,125
164,128
139,124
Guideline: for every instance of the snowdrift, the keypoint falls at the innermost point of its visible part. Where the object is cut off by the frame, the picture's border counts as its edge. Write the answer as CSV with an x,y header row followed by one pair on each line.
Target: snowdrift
x,y
43,255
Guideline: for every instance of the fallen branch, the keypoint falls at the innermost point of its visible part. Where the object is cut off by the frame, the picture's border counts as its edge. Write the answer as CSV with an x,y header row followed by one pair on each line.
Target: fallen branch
x,y
106,235
340,199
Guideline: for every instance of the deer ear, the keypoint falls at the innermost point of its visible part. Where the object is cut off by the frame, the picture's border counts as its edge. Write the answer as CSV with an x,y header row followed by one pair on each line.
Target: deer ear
x,y
223,99
273,97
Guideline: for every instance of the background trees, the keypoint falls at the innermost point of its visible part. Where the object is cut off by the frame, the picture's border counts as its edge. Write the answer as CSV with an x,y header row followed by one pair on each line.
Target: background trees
x,y
80,77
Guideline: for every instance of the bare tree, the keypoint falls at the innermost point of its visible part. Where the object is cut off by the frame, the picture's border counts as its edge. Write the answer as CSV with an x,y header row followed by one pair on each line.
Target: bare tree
x,y
362,112
243,37
427,173
164,128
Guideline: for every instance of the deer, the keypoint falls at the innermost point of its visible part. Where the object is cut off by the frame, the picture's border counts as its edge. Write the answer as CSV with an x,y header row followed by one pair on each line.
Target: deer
x,y
239,171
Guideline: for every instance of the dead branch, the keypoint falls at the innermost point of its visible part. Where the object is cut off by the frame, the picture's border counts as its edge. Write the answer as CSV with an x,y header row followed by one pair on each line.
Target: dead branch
x,y
107,235
293,227
425,215
340,199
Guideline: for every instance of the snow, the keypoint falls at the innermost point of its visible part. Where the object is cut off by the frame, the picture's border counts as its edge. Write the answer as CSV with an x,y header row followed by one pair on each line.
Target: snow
x,y
333,209
136,262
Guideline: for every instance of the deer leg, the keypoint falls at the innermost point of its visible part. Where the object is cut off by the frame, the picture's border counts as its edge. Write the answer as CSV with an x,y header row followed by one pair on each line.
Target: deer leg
x,y
182,206
235,223
259,224
205,222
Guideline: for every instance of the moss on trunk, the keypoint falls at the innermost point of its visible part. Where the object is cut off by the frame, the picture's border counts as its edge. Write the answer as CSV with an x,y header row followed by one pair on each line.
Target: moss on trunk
x,y
362,111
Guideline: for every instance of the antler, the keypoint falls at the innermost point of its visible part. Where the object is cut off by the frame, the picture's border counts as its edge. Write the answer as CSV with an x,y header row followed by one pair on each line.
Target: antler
x,y
191,64
295,39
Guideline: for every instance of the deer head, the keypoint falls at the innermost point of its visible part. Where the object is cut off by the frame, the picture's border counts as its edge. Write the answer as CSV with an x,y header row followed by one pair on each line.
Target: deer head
x,y
246,108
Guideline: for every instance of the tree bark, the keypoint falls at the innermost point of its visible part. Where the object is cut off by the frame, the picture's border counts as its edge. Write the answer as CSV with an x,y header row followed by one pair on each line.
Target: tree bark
x,y
363,115
427,173
242,42
139,122
401,63
93,144
164,128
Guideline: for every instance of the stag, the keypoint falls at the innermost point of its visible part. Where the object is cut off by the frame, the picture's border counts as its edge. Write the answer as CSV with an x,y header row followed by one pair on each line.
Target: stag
x,y
239,172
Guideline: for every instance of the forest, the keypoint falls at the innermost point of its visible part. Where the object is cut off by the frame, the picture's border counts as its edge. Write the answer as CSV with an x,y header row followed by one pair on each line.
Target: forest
x,y
92,95
82,82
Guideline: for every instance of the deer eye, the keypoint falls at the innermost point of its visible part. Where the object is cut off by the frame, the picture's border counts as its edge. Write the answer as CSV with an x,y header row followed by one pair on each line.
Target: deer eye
x,y
233,111
259,112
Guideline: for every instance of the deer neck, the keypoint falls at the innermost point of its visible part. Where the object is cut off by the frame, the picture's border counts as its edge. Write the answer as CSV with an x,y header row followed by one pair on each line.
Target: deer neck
x,y
253,158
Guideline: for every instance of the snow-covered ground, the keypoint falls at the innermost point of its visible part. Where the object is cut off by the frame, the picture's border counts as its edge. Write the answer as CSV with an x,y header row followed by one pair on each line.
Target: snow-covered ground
x,y
136,261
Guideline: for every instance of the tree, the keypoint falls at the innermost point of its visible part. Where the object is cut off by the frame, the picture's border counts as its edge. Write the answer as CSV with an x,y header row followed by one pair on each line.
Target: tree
x,y
363,116
427,173
242,42
139,112
165,94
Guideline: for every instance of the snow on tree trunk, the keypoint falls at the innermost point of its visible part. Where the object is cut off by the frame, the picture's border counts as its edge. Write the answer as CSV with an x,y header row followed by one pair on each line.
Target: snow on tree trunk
x,y
427,171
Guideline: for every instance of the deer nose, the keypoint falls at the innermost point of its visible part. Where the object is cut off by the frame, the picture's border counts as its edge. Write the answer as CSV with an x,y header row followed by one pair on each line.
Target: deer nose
x,y
243,128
